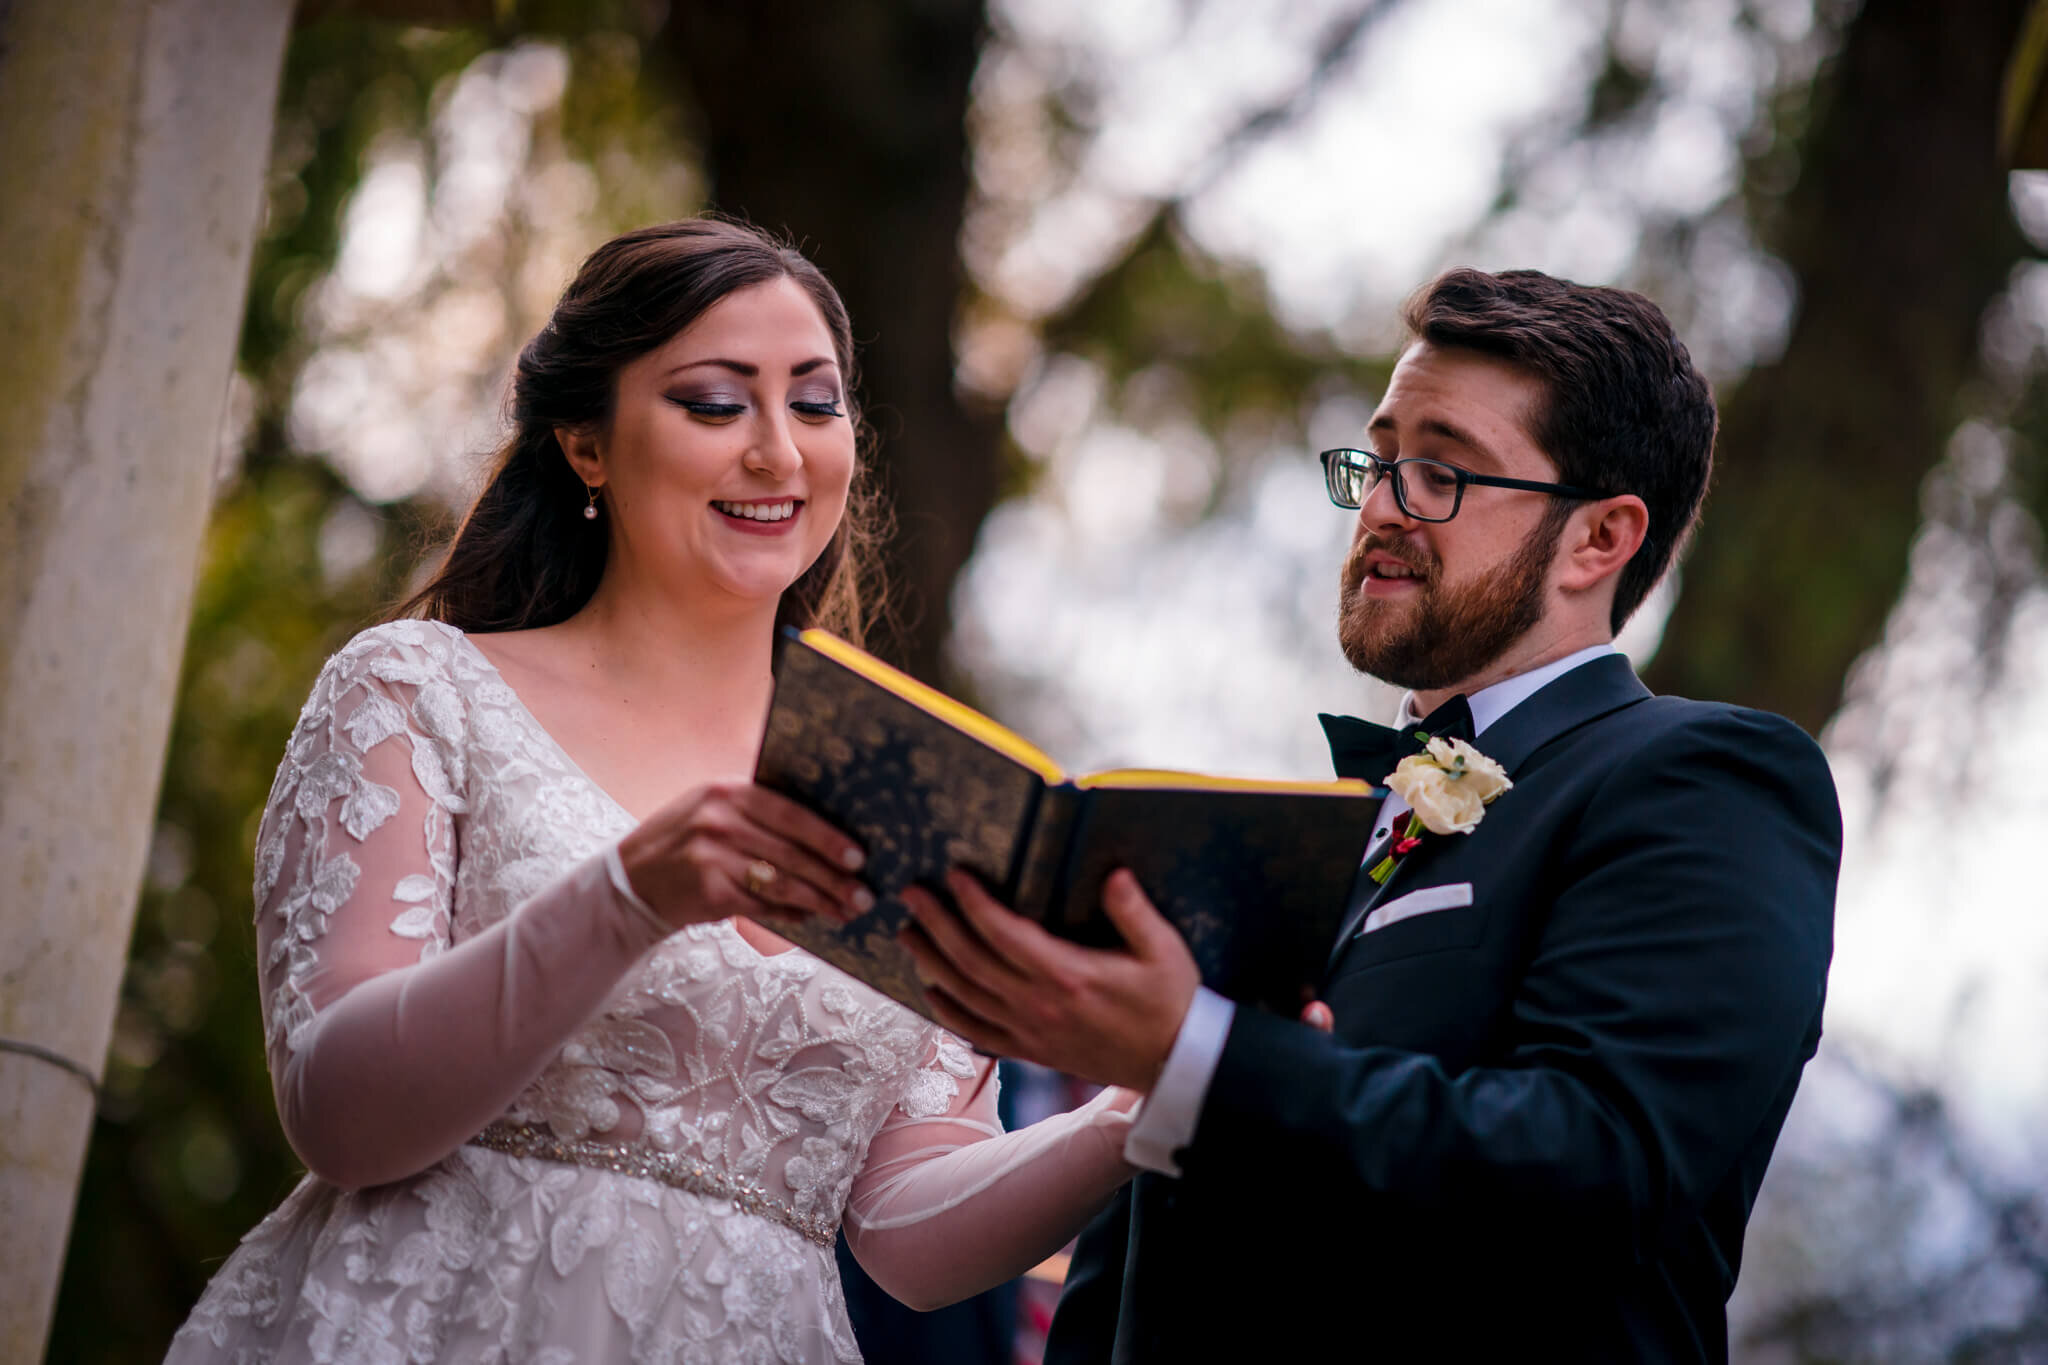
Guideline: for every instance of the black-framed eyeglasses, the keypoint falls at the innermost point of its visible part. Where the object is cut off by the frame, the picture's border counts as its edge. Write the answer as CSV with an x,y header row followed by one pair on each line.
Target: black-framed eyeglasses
x,y
1427,490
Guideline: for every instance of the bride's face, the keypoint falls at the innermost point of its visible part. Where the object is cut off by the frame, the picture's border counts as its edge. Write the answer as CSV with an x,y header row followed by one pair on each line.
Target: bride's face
x,y
726,462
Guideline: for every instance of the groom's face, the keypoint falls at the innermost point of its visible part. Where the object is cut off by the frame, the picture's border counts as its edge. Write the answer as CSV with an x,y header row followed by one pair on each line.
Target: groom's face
x,y
1429,605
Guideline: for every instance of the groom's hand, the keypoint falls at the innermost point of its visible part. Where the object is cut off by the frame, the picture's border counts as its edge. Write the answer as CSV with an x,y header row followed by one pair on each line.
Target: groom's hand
x,y
1010,988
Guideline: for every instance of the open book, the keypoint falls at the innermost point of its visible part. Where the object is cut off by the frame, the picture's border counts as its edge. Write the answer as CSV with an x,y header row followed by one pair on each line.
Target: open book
x,y
1256,875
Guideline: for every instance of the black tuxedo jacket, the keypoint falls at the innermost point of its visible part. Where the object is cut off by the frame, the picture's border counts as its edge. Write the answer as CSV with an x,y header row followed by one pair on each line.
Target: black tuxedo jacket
x,y
1542,1120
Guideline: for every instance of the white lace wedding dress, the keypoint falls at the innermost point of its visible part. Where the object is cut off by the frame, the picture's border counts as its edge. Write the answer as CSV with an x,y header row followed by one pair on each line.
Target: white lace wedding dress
x,y
448,950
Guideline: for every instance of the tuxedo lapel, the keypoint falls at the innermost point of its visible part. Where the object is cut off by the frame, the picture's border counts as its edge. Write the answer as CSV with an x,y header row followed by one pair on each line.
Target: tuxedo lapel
x,y
1585,694
1590,691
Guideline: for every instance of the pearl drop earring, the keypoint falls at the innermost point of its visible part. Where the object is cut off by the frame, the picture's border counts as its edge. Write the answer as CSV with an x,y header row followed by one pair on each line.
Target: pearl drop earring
x,y
590,507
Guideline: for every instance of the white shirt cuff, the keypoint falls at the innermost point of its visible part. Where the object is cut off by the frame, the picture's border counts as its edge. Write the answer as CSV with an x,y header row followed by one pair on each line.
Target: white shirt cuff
x,y
1167,1121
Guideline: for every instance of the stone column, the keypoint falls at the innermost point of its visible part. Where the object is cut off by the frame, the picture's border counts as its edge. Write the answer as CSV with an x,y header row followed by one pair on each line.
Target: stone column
x,y
134,136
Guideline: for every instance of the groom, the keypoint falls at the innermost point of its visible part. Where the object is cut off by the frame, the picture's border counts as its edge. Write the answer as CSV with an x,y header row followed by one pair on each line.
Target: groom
x,y
1558,1048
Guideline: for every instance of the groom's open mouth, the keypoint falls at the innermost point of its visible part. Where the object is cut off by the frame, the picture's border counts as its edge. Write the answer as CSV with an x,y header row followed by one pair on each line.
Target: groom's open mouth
x,y
1386,576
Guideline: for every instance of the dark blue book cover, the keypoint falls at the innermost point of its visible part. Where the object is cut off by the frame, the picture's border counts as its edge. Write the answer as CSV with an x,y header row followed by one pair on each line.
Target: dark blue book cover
x,y
1255,875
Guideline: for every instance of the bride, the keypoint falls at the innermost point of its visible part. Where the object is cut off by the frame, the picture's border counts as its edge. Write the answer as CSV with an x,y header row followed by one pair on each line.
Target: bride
x,y
562,1093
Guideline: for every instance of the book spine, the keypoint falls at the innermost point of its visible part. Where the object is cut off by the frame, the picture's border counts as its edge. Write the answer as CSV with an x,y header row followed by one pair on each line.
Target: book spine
x,y
1043,855
1073,905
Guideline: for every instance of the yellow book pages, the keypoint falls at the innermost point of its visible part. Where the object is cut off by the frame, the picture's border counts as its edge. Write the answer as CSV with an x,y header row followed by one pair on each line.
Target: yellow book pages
x,y
936,703
1159,779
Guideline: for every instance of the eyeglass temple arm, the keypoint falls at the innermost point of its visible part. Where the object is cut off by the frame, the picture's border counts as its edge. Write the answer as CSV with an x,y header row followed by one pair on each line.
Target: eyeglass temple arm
x,y
1563,490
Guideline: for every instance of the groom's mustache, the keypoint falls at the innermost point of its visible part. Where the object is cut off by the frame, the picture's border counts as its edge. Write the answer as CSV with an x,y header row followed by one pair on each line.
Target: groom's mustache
x,y
1414,557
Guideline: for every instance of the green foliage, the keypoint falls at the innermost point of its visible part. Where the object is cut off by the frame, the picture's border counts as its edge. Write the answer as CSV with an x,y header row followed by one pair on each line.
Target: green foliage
x,y
349,83
1166,303
1181,337
1619,92
346,83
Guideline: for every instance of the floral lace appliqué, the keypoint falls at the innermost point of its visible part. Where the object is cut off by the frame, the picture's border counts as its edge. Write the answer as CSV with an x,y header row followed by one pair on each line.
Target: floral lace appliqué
x,y
776,1069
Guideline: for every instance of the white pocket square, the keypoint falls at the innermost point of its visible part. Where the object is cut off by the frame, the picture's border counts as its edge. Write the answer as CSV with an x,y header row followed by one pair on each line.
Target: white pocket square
x,y
1425,901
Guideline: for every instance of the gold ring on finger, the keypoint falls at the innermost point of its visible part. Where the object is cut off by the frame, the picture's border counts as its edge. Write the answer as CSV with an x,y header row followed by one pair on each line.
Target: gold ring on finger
x,y
761,875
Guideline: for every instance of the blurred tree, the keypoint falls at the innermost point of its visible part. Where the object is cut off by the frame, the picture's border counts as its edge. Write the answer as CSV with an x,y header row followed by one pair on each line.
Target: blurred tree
x,y
1898,235
846,126
2023,120
1950,1261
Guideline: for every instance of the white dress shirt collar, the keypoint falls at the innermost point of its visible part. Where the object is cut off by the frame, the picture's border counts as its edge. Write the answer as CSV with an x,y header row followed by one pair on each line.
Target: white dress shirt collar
x,y
1489,704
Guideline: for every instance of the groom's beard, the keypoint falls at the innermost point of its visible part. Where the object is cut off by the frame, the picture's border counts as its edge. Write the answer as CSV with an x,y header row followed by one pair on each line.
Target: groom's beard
x,y
1444,635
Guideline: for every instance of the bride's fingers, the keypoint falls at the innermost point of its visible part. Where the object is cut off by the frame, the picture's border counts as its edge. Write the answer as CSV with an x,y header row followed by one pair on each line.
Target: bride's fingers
x,y
781,877
785,820
748,905
795,875
731,847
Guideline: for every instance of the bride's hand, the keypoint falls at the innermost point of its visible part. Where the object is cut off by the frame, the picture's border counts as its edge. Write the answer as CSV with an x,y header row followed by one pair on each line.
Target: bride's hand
x,y
733,848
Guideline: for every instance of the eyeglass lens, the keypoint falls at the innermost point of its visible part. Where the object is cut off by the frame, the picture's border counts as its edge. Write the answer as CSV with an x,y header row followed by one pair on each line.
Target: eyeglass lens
x,y
1426,489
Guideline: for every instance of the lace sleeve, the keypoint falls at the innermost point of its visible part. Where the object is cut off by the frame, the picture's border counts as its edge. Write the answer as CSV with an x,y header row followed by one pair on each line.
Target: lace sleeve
x,y
948,1204
364,781
389,1046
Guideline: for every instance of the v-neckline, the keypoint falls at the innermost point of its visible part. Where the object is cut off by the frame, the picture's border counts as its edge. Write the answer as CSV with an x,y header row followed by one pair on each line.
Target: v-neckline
x,y
567,759
576,770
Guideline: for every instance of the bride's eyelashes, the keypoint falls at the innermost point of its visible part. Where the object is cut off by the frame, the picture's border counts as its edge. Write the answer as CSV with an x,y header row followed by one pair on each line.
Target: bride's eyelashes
x,y
724,410
711,409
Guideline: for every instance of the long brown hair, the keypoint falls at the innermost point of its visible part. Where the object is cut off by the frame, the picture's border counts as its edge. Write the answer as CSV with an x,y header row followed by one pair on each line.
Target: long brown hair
x,y
525,555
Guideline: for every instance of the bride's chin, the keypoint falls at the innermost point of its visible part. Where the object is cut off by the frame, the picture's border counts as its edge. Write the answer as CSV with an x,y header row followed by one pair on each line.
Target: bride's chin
x,y
763,591
763,573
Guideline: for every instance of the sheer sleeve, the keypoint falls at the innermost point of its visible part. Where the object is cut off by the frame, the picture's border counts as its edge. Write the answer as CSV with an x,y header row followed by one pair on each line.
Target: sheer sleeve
x,y
389,1045
948,1204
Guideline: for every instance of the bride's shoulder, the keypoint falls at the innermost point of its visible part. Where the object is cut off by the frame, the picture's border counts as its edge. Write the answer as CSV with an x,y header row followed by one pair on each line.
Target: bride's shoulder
x,y
407,652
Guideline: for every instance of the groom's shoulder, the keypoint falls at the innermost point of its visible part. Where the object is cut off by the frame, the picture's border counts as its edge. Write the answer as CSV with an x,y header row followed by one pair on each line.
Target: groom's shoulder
x,y
1742,729
1739,746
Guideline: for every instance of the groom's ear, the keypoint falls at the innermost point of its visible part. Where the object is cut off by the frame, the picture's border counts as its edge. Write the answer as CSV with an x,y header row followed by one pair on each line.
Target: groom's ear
x,y
1599,539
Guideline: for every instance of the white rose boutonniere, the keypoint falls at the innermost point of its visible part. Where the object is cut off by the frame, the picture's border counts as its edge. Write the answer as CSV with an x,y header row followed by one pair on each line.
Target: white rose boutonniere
x,y
1447,787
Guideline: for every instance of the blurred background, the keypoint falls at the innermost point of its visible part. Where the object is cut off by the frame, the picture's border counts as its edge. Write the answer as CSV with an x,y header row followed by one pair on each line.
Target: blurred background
x,y
1119,270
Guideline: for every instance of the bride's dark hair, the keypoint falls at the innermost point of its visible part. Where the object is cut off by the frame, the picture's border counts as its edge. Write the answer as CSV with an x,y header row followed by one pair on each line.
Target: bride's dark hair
x,y
525,555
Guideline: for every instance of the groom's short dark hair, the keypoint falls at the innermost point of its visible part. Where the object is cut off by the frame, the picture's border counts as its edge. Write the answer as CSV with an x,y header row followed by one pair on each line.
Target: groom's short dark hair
x,y
1625,410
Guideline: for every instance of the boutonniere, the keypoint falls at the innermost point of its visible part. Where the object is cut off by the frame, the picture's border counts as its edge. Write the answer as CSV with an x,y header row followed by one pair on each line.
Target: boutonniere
x,y
1448,787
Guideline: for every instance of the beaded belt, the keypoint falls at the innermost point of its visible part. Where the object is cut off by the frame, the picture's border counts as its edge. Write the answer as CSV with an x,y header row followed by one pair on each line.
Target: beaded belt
x,y
747,1196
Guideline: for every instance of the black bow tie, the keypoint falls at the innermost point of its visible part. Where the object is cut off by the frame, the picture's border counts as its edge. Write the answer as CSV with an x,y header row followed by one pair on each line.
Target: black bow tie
x,y
1361,749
